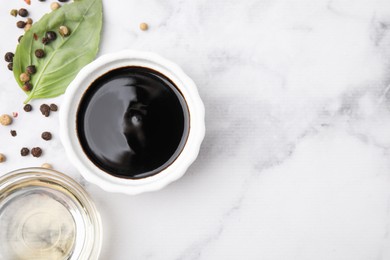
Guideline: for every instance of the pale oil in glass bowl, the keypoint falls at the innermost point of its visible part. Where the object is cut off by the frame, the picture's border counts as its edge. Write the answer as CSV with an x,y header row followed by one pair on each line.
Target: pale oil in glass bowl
x,y
46,215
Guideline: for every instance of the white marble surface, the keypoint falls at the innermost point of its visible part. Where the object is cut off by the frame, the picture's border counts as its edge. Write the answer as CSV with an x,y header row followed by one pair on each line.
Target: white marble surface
x,y
296,159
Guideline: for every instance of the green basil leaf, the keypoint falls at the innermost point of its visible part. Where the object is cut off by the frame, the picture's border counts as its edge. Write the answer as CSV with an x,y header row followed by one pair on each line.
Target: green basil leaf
x,y
65,56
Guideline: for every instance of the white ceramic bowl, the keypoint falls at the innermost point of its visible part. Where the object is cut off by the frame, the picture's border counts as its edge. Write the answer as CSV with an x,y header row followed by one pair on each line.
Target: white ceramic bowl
x,y
78,87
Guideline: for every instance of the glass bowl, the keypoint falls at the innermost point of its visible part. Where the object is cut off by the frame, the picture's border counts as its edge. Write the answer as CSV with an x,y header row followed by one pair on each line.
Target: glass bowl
x,y
45,214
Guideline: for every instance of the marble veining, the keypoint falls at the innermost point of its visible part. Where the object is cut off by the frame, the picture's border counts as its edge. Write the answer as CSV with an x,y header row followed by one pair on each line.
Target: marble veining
x,y
296,159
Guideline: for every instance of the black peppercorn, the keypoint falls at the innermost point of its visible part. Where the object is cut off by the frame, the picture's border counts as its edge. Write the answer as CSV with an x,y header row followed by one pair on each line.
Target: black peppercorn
x,y
45,40
40,53
21,24
23,12
31,69
27,108
10,66
45,110
9,57
13,133
36,152
25,151
27,86
51,35
46,136
20,38
53,107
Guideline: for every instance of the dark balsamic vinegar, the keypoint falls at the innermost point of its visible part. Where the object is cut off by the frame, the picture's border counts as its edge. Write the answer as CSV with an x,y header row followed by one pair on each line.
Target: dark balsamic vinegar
x,y
132,122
